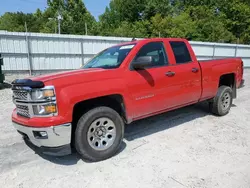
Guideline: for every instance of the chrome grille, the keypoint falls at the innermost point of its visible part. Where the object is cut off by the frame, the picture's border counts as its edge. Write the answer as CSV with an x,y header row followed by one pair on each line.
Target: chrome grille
x,y
23,110
20,94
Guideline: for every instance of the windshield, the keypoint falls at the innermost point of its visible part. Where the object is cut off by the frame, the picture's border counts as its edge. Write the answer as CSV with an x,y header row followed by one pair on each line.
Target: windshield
x,y
110,58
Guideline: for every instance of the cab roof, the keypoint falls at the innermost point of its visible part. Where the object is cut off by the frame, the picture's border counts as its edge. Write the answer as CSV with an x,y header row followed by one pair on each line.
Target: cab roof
x,y
150,40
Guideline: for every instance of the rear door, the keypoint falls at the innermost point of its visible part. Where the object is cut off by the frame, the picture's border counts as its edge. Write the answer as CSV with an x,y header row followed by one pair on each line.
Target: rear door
x,y
186,78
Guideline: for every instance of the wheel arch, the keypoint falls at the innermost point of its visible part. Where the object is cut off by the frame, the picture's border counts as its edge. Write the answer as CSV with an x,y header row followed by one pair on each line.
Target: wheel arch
x,y
114,101
229,80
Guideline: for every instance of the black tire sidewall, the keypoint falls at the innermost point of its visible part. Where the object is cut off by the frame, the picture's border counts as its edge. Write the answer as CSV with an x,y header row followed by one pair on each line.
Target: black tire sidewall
x,y
81,142
222,91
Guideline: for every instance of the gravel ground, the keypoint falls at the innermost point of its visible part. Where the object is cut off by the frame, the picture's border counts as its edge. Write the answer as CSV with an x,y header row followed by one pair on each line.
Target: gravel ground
x,y
184,148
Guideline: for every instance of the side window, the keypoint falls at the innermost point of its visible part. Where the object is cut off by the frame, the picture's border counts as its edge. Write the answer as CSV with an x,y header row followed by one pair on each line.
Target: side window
x,y
181,52
156,50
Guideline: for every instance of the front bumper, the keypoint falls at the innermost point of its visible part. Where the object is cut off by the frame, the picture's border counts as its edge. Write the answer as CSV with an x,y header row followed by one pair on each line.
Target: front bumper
x,y
58,138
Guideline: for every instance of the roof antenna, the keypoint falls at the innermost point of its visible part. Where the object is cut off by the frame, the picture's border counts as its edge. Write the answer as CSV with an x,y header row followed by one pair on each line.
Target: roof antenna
x,y
133,39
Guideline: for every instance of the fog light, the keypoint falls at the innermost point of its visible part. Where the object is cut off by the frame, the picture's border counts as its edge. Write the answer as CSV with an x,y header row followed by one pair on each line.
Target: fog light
x,y
40,134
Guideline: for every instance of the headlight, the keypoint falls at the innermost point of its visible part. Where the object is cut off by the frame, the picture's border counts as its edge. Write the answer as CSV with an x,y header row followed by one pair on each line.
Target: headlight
x,y
45,99
45,109
41,94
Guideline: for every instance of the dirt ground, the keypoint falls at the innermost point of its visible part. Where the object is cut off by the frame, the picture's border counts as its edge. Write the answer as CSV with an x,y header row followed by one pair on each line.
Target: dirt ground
x,y
184,148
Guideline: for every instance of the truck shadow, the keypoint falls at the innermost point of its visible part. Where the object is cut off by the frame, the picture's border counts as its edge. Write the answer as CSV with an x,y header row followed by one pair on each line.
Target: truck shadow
x,y
64,160
165,121
142,128
67,160
5,85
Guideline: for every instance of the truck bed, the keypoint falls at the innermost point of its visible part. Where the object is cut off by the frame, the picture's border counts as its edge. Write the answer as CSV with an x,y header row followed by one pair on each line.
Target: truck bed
x,y
219,59
212,71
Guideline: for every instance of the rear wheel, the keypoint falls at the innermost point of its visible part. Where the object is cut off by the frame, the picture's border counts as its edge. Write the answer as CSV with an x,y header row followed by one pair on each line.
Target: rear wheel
x,y
99,134
222,102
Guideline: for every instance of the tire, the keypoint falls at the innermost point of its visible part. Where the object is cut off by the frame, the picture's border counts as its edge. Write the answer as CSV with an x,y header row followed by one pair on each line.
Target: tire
x,y
99,120
222,102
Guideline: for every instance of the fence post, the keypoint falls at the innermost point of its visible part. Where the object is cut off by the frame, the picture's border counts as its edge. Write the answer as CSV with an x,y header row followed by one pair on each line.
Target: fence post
x,y
82,52
213,50
28,53
1,74
236,49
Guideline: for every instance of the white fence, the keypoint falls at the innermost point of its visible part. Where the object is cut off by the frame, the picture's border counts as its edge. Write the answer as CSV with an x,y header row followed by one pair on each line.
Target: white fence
x,y
35,52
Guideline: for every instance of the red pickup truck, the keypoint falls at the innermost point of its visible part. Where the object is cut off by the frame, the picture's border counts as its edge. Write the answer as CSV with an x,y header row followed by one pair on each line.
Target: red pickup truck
x,y
87,109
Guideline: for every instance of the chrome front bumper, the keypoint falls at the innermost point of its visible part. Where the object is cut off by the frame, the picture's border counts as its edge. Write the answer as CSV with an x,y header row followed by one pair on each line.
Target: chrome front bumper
x,y
56,135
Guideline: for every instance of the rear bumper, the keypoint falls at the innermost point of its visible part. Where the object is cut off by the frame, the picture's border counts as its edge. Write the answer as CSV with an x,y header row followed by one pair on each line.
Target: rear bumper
x,y
55,140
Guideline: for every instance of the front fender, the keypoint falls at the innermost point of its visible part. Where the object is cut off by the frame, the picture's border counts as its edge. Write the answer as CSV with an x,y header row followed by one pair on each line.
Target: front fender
x,y
70,95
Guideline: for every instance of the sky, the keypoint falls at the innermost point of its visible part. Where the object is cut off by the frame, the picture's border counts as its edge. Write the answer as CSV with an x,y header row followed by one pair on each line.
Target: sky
x,y
96,7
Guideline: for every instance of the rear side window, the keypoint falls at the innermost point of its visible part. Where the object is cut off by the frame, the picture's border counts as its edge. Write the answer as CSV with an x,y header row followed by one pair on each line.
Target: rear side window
x,y
181,52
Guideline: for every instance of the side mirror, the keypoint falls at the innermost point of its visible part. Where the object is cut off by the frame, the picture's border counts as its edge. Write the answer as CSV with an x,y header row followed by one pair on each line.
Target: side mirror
x,y
142,62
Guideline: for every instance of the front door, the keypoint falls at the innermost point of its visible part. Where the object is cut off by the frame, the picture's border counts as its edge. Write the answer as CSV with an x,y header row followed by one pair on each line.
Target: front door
x,y
148,87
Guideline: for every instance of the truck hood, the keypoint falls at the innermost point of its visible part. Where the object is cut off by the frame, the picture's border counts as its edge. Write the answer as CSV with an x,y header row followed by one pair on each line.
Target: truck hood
x,y
64,79
64,74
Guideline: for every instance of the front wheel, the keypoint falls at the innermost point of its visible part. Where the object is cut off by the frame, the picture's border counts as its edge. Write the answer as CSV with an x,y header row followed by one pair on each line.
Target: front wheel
x,y
222,102
99,134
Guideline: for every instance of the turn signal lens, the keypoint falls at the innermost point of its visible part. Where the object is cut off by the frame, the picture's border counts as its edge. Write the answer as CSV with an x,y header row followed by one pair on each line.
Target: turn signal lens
x,y
50,109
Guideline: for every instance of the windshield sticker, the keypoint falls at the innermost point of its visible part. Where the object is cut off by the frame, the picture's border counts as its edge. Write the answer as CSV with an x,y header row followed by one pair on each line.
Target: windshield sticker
x,y
127,47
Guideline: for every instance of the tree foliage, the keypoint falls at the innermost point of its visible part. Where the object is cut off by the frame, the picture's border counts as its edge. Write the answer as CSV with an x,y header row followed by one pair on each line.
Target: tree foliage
x,y
73,12
203,20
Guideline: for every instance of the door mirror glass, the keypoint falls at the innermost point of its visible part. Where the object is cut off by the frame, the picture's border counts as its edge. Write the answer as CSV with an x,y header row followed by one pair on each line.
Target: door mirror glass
x,y
142,62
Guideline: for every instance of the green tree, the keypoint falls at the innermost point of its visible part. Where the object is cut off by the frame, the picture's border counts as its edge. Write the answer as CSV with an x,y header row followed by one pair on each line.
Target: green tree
x,y
74,16
16,22
120,11
211,25
203,20
238,14
180,25
161,7
137,29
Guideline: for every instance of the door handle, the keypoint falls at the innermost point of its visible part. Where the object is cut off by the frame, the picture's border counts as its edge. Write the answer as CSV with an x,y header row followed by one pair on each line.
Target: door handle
x,y
170,73
194,70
